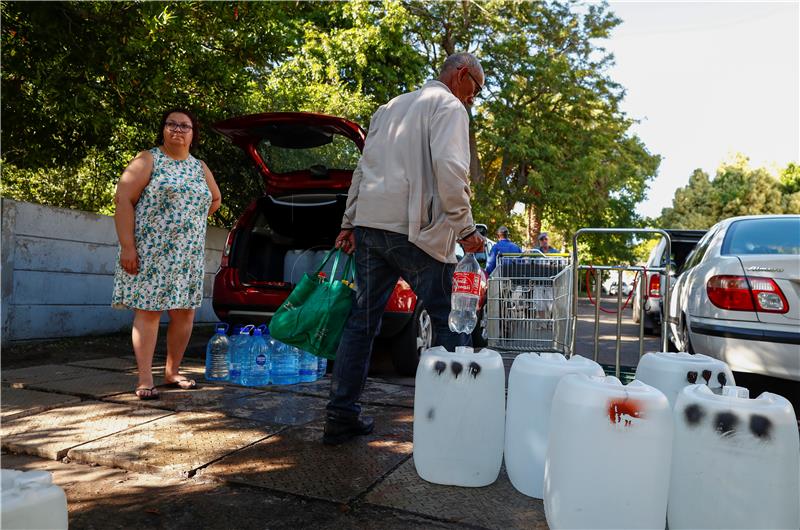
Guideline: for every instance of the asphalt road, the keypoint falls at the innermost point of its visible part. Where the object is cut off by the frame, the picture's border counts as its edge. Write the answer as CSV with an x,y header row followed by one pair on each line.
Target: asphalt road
x,y
629,342
629,352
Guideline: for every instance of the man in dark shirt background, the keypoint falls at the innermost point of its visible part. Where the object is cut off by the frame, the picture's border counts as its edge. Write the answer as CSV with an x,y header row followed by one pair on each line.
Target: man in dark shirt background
x,y
503,246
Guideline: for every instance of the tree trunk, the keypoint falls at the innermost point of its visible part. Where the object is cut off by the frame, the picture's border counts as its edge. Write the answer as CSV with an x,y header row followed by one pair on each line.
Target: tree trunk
x,y
534,224
475,170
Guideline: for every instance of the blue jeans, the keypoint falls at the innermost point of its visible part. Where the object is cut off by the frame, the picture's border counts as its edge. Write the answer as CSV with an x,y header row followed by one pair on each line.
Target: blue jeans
x,y
381,258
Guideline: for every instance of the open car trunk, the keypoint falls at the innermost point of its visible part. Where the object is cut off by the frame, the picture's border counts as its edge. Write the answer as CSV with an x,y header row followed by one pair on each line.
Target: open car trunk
x,y
287,237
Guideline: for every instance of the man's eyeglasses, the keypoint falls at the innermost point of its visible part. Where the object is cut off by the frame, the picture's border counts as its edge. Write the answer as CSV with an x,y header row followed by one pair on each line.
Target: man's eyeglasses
x,y
478,86
180,127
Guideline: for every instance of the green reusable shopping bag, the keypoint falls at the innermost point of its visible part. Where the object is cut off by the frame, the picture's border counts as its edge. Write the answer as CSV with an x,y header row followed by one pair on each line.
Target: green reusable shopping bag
x,y
313,316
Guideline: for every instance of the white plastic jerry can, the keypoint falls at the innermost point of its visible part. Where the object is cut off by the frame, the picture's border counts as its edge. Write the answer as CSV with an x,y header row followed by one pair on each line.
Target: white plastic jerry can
x,y
531,385
735,461
459,417
31,501
608,455
672,372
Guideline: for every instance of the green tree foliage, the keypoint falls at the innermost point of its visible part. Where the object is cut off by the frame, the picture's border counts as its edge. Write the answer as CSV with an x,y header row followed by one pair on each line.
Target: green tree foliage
x,y
550,133
737,189
83,85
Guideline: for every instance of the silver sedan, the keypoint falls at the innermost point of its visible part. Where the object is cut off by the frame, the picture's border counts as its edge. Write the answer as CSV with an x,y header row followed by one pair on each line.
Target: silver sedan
x,y
737,296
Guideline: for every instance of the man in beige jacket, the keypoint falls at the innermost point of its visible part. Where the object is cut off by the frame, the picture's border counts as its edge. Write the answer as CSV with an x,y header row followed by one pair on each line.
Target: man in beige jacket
x,y
407,207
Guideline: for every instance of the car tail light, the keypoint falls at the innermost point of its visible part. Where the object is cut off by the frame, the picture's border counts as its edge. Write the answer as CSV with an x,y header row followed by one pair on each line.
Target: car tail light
x,y
768,296
655,286
226,252
739,293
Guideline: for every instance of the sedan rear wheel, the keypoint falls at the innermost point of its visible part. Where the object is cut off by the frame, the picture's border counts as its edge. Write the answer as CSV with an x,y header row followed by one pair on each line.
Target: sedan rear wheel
x,y
685,339
407,347
479,334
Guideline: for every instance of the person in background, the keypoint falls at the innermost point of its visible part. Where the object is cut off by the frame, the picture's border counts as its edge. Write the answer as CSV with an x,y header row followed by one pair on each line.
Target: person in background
x,y
544,244
162,202
408,205
503,246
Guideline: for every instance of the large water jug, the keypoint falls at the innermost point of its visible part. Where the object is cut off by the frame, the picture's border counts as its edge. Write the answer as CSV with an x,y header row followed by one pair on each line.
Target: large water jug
x,y
672,372
296,263
308,367
218,355
239,354
30,500
256,366
735,461
531,385
608,455
459,417
285,364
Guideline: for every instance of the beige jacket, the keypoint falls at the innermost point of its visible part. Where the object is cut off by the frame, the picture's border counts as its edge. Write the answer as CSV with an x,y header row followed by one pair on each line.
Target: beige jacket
x,y
413,176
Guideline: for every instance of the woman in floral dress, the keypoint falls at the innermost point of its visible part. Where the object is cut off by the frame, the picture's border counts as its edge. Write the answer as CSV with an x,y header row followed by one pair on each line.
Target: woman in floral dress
x,y
162,202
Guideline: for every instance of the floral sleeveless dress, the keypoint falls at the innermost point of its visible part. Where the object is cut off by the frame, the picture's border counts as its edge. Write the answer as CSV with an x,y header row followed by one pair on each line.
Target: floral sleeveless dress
x,y
170,234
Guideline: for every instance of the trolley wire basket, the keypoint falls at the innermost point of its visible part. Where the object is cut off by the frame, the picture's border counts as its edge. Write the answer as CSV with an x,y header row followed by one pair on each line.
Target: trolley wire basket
x,y
529,303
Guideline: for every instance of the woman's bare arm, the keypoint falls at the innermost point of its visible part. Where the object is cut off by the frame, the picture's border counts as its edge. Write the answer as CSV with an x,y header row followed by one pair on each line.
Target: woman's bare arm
x,y
129,188
216,196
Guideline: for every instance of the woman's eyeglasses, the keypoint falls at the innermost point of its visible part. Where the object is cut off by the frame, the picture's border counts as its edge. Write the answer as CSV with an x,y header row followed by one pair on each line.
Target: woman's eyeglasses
x,y
180,127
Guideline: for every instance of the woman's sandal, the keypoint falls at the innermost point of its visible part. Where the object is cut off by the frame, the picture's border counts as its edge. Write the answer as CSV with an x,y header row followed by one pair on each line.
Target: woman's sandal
x,y
184,384
145,393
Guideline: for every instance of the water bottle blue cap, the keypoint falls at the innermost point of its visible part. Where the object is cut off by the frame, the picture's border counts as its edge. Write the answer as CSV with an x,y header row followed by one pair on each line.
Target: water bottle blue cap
x,y
256,332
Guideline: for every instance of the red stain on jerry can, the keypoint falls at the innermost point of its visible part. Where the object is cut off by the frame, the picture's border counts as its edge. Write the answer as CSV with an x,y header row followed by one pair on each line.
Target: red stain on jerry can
x,y
624,411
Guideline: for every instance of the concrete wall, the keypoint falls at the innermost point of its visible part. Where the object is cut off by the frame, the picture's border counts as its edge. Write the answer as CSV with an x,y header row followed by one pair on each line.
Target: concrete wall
x,y
58,273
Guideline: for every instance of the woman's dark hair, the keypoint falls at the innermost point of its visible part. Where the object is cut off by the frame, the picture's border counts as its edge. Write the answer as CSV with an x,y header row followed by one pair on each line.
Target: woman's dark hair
x,y
195,128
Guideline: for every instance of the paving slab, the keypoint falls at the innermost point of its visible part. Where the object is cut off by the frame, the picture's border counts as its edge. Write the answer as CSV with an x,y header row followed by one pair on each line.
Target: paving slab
x,y
204,397
295,461
18,402
277,408
94,384
116,364
127,363
52,433
174,445
34,375
497,506
105,498
375,393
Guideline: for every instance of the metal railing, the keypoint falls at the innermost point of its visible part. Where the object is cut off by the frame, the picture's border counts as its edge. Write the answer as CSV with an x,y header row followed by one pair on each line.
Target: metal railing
x,y
641,271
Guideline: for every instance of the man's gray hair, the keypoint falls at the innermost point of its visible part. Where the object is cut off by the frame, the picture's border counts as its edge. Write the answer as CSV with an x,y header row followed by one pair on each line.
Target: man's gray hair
x,y
458,60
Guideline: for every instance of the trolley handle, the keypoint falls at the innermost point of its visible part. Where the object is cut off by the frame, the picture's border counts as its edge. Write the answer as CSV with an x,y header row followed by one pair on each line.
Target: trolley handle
x,y
534,253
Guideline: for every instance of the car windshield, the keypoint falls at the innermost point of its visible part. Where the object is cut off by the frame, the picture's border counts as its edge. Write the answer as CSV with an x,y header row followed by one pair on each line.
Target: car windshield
x,y
773,235
340,153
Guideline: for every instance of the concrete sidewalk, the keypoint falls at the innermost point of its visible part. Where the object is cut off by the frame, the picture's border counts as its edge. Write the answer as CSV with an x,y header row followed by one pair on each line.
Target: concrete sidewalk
x,y
229,456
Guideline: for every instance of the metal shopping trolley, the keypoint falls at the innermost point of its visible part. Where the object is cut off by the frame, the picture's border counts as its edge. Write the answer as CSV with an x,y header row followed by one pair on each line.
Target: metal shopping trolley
x,y
529,303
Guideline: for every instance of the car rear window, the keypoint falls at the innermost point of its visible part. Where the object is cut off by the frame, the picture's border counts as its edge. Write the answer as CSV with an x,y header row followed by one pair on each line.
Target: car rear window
x,y
773,235
340,153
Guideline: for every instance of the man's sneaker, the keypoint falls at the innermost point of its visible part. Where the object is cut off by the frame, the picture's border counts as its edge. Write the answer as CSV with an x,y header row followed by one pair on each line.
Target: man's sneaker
x,y
340,431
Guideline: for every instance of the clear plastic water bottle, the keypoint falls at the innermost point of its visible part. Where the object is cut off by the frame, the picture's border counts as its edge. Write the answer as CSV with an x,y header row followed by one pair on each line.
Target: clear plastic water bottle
x,y
218,355
285,364
322,366
256,367
239,353
466,293
308,367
